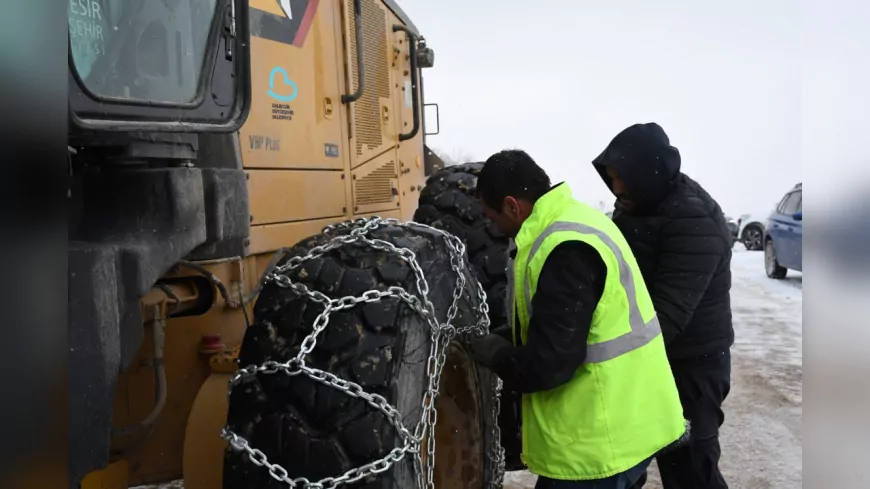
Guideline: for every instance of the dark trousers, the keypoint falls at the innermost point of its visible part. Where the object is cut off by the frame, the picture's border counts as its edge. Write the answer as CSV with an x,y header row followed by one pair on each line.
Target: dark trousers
x,y
623,480
703,383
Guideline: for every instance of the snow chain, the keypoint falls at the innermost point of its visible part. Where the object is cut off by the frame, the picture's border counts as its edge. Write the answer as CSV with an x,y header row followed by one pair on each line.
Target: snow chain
x,y
441,335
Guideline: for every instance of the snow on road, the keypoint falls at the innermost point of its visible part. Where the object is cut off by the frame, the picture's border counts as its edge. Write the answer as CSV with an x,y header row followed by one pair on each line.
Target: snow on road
x,y
761,438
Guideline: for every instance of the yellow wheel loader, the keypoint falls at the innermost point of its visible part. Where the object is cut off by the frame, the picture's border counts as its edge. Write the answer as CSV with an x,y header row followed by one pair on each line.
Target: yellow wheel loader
x,y
238,318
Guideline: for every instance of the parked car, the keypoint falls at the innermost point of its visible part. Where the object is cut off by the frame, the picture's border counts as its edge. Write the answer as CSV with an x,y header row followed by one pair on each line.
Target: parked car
x,y
783,235
734,227
750,230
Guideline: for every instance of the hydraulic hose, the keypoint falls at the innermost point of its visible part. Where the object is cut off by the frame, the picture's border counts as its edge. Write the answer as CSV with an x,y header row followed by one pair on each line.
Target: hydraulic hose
x,y
159,330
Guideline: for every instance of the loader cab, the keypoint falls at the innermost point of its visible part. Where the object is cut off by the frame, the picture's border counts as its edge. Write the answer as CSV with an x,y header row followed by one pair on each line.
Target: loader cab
x,y
170,66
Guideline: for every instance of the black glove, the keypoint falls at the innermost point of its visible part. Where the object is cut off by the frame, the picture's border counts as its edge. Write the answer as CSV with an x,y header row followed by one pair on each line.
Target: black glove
x,y
504,331
489,349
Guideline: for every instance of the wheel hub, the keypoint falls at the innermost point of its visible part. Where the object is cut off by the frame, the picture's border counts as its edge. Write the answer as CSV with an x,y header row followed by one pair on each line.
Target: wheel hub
x,y
753,239
459,437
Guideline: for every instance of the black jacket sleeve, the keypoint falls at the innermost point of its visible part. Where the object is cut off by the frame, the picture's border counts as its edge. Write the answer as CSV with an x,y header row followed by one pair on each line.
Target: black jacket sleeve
x,y
504,331
691,252
569,288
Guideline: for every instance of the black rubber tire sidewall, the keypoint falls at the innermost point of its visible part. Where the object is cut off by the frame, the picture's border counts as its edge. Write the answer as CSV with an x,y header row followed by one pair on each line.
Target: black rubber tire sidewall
x,y
779,272
287,406
449,202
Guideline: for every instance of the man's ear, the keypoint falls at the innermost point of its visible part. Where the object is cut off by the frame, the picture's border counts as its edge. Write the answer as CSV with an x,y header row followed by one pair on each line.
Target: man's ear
x,y
511,206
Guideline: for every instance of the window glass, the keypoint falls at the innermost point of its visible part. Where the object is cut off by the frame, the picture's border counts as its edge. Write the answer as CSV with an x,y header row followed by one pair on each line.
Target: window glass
x,y
781,205
145,49
792,204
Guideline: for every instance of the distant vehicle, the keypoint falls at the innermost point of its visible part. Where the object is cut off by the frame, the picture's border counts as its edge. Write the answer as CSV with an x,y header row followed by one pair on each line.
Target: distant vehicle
x,y
783,235
734,227
750,230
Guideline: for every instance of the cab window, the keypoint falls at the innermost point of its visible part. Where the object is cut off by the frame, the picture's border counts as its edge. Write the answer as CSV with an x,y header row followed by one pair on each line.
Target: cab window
x,y
150,50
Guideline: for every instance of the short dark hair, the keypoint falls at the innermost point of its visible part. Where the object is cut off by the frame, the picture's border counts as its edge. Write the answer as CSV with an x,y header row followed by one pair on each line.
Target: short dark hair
x,y
511,173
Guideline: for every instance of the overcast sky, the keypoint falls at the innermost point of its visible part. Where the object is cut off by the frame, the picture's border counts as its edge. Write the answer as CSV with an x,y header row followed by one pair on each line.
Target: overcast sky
x,y
559,80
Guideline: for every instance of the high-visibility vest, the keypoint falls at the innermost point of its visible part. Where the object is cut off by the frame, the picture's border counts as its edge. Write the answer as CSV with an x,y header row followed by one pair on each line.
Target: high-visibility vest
x,y
622,405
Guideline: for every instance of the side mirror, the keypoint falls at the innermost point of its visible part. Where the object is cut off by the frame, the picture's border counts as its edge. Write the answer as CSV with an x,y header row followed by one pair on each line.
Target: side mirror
x,y
798,216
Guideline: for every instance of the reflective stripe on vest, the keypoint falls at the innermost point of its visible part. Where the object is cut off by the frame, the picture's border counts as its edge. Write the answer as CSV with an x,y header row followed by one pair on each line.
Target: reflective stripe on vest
x,y
641,332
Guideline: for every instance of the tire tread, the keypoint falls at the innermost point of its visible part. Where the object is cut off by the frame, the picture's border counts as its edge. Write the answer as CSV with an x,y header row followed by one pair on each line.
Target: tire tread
x,y
316,431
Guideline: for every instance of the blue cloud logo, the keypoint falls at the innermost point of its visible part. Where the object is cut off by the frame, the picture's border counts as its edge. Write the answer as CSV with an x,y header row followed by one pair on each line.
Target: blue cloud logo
x,y
287,81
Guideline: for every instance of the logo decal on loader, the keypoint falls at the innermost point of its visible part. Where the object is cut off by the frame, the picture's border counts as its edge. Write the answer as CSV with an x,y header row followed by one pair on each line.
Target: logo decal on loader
x,y
287,81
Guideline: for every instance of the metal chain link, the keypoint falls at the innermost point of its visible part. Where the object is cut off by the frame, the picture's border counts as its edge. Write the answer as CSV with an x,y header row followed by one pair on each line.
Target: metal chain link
x,y
441,335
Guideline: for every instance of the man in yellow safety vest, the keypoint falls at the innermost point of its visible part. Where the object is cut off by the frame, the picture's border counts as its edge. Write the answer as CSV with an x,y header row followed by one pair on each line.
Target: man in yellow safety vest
x,y
584,347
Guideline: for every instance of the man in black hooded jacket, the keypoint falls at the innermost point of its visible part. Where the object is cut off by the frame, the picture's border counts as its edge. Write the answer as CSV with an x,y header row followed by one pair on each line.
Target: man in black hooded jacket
x,y
683,247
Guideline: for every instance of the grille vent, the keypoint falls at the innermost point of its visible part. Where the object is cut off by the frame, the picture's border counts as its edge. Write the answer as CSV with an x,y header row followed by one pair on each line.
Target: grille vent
x,y
367,118
377,186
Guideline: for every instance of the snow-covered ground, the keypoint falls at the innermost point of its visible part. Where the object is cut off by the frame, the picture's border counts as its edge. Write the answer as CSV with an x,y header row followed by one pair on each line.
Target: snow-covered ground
x,y
762,437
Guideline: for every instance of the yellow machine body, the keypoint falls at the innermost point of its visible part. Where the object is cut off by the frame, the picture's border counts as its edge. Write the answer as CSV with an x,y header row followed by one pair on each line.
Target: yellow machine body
x,y
311,160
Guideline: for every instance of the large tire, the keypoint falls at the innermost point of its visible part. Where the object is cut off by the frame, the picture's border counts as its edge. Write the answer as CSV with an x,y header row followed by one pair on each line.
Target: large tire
x,y
449,202
316,431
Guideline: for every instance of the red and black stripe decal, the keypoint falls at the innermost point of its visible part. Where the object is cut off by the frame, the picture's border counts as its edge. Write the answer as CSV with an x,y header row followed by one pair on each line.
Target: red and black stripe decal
x,y
280,28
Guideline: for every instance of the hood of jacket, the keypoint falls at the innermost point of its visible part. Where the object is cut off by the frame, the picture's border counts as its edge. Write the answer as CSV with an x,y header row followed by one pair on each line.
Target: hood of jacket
x,y
647,164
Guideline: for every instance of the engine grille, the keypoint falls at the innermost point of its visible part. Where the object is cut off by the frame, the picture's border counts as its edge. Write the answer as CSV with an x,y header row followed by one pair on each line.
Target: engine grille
x,y
378,186
367,118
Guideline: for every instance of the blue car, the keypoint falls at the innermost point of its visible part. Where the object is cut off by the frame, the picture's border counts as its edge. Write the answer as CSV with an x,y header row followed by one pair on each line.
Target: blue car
x,y
783,236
